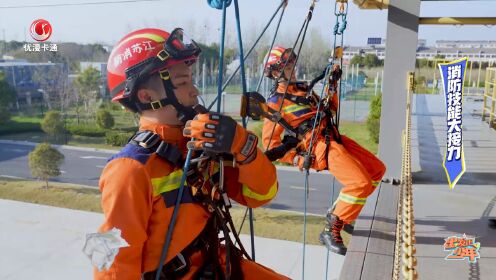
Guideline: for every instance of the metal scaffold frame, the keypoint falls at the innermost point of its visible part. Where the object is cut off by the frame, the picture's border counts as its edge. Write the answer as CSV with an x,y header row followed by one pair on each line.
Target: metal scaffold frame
x,y
489,94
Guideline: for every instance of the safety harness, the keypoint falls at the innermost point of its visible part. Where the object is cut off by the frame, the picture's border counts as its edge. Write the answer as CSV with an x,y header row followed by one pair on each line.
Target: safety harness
x,y
331,130
208,191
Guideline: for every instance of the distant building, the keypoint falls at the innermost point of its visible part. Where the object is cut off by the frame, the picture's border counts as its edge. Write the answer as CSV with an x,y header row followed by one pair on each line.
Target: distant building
x,y
20,74
484,51
466,44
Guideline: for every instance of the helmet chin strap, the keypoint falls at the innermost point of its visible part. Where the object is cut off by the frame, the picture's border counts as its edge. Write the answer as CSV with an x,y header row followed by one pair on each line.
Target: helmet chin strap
x,y
184,113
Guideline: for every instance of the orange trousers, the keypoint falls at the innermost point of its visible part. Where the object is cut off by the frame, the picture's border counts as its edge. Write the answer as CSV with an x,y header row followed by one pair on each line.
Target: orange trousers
x,y
359,171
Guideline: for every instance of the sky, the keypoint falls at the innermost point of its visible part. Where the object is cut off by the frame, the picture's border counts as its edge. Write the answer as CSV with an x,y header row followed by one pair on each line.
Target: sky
x,y
110,22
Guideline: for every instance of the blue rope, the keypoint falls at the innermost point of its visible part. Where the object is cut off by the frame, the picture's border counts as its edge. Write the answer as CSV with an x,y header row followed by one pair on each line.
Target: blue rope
x,y
303,30
305,223
317,118
338,113
244,120
241,53
175,212
221,55
249,52
271,46
343,15
172,223
218,4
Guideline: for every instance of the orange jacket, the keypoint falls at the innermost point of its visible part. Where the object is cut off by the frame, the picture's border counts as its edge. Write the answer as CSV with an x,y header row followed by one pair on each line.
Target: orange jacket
x,y
294,114
131,185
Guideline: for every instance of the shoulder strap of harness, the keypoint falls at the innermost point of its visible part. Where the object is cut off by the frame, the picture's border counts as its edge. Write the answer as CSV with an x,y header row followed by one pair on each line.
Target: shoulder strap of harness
x,y
300,100
152,142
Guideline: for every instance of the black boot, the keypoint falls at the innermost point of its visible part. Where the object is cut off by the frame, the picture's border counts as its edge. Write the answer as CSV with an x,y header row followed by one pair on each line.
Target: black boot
x,y
331,235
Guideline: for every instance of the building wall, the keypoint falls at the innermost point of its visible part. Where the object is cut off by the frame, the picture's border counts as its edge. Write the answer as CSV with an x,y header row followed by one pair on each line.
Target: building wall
x,y
21,75
484,51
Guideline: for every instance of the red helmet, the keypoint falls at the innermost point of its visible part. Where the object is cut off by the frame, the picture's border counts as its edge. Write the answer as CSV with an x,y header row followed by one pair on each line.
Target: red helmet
x,y
276,59
142,53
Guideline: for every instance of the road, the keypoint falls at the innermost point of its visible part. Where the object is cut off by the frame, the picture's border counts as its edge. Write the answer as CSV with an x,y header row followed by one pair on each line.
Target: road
x,y
85,166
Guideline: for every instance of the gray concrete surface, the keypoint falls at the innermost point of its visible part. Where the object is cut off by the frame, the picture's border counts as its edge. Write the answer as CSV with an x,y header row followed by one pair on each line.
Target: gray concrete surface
x,y
45,243
440,212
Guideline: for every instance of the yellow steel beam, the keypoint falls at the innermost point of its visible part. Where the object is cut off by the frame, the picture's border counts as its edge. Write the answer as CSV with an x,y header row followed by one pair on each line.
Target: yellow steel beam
x,y
458,20
372,4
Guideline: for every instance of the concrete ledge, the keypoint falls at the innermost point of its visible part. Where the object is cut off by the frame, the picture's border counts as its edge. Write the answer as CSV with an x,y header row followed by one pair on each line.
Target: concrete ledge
x,y
45,243
371,250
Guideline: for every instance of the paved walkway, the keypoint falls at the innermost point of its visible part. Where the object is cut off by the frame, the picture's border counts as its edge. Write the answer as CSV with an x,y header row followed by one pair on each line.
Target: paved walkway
x,y
44,243
440,212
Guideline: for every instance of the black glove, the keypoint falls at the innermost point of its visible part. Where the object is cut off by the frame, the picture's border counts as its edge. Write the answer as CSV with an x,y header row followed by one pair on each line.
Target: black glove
x,y
336,74
218,134
275,153
288,143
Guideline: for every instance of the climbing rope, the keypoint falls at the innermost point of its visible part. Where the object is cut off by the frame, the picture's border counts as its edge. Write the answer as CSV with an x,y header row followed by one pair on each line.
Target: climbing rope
x,y
404,253
170,228
270,48
341,14
244,122
221,55
303,30
340,11
282,5
339,29
318,118
307,167
242,58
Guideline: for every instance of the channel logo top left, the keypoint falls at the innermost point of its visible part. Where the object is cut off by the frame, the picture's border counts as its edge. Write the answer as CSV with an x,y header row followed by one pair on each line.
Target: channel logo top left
x,y
40,30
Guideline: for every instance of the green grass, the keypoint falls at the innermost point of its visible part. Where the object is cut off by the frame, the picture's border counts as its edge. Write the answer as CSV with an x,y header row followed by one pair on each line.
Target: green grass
x,y
19,124
25,119
364,94
22,128
37,137
268,223
280,224
73,140
90,142
358,132
58,194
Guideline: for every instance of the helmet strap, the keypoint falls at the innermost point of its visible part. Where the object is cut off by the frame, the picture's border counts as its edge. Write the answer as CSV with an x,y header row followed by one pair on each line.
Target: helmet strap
x,y
184,113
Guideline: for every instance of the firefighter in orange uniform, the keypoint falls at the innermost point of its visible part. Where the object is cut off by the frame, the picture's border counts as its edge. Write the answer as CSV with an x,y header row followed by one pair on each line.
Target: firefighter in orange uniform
x,y
358,170
149,72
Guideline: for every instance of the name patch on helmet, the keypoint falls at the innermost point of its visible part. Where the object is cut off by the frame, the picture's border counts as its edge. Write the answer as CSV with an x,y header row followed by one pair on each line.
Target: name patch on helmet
x,y
134,49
